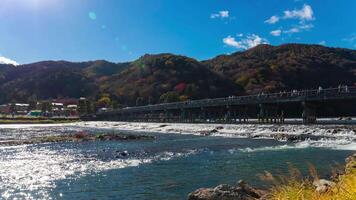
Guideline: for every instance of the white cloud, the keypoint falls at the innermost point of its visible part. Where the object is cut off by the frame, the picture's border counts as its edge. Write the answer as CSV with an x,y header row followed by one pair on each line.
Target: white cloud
x,y
272,20
306,26
322,43
351,38
231,41
299,28
224,13
221,14
292,30
245,43
306,13
4,60
276,32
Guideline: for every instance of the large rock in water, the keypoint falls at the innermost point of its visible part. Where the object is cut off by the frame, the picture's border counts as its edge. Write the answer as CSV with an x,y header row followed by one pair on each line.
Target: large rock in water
x,y
242,191
297,137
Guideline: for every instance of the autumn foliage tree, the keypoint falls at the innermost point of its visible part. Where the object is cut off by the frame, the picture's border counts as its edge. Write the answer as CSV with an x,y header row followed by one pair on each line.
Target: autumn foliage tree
x,y
169,97
104,101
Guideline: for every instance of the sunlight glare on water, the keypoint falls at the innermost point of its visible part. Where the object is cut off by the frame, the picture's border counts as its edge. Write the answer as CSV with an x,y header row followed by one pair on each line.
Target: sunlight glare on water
x,y
50,171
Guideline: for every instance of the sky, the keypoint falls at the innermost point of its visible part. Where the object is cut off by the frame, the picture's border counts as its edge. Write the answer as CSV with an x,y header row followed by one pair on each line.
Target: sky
x,y
124,30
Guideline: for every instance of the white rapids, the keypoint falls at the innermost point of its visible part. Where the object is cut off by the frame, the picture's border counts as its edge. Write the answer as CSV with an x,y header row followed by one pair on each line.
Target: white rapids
x,y
335,136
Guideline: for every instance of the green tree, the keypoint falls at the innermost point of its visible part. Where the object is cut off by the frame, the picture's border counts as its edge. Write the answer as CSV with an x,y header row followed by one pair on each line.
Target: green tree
x,y
89,107
82,106
32,102
169,97
191,90
13,108
46,106
150,100
183,98
139,101
115,104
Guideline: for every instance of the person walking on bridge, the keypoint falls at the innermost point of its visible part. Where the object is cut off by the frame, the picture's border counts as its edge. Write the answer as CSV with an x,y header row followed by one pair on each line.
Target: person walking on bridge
x,y
320,89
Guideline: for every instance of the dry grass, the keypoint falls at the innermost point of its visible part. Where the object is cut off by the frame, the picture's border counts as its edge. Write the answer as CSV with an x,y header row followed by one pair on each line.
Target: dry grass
x,y
295,187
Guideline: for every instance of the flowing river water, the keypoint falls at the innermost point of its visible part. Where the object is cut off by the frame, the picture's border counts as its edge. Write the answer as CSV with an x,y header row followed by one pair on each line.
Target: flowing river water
x,y
177,162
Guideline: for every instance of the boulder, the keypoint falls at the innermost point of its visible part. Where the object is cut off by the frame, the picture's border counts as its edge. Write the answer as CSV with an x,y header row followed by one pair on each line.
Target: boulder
x,y
323,185
242,191
351,164
207,133
351,159
297,138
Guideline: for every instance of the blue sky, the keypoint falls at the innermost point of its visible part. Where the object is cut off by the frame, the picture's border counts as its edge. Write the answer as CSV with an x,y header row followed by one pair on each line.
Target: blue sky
x,y
123,30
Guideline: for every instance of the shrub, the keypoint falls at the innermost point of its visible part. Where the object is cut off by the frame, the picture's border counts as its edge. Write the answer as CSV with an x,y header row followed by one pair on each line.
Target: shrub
x,y
295,187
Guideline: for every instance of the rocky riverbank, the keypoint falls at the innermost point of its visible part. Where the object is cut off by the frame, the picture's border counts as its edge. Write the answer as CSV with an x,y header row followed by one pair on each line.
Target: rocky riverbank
x,y
343,186
77,137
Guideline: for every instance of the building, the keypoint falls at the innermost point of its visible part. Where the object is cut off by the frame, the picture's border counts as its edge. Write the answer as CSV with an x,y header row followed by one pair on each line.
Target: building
x,y
57,109
5,109
20,108
14,108
35,113
71,110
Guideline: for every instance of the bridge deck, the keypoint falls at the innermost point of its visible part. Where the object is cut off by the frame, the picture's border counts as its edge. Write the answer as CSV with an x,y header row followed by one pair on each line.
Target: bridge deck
x,y
342,93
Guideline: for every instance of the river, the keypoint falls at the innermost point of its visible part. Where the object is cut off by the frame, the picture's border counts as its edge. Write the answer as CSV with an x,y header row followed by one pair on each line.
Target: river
x,y
177,162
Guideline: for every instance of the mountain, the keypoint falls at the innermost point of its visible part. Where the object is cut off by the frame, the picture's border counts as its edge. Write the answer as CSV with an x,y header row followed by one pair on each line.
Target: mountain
x,y
102,68
53,79
168,77
286,67
153,75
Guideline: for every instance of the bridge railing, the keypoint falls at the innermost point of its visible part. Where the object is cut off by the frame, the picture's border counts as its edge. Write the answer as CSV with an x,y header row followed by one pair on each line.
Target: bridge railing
x,y
295,95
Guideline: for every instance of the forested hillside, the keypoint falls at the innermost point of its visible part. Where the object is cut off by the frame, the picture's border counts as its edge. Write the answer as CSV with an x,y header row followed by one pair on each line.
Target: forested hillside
x,y
168,77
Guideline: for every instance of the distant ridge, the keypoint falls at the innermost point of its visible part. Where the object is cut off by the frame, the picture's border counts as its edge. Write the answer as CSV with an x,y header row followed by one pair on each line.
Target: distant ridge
x,y
262,68
286,67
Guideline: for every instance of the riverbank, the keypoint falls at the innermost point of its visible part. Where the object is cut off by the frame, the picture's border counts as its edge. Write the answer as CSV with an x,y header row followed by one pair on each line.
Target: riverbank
x,y
77,137
21,120
341,187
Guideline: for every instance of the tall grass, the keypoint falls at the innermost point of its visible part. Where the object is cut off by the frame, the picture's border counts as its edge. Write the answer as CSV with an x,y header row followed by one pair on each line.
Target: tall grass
x,y
296,187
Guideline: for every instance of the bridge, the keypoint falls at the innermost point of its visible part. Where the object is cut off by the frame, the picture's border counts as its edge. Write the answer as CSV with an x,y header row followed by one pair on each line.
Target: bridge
x,y
307,105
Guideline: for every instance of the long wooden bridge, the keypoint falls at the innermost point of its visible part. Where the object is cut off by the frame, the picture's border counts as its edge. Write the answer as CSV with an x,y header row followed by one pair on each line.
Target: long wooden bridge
x,y
307,105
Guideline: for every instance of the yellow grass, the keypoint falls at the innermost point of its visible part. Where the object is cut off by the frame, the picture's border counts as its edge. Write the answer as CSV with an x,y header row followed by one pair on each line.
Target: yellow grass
x,y
296,188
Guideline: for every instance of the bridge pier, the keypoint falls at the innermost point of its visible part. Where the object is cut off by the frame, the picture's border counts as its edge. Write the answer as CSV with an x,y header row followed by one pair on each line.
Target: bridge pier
x,y
243,116
227,117
270,114
182,116
151,116
167,116
202,115
309,113
261,113
190,116
281,116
